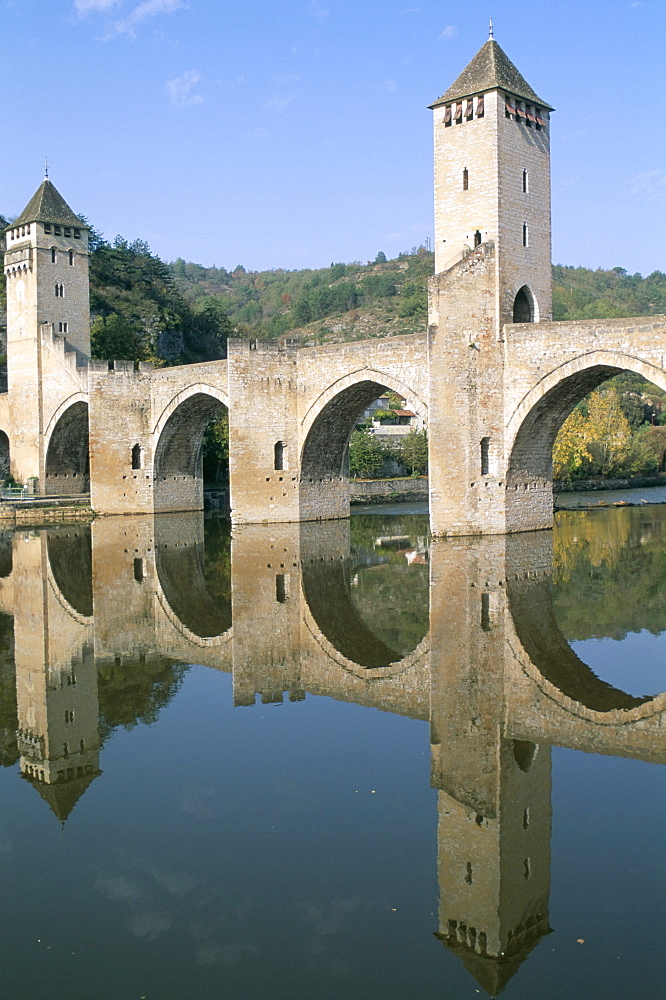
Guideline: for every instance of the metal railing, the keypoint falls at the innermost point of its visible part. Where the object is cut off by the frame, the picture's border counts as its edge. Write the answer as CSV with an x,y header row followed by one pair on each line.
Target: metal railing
x,y
23,494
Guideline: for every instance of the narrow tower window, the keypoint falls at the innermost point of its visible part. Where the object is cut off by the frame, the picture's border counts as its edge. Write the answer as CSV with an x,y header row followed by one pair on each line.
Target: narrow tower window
x,y
465,179
477,238
526,183
71,257
485,613
54,255
280,589
485,452
136,456
138,570
525,235
279,451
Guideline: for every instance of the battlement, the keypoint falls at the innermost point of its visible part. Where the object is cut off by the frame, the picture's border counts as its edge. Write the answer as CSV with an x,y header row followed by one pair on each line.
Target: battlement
x,y
246,346
115,367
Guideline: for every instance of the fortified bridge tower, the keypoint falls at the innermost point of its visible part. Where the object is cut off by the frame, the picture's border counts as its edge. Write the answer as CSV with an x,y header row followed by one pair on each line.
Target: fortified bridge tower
x,y
493,267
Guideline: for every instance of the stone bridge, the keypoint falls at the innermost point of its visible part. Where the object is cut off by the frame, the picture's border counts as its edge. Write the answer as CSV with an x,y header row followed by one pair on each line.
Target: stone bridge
x,y
492,375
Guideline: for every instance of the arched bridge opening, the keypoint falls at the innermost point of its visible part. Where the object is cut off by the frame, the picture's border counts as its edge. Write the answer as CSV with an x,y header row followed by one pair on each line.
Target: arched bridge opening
x,y
192,452
325,452
67,470
536,424
4,456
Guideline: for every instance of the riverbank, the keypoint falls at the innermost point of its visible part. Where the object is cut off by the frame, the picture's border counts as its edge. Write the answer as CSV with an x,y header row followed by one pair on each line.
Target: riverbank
x,y
404,489
37,513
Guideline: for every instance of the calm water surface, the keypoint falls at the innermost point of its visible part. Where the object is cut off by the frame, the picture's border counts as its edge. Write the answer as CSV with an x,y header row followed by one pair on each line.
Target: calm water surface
x,y
333,761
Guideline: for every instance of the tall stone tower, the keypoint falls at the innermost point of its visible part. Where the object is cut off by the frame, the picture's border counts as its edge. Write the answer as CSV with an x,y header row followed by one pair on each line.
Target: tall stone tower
x,y
493,269
46,265
492,181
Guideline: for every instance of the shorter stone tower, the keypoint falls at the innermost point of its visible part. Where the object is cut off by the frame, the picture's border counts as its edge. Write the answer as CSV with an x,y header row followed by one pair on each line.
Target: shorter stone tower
x,y
48,322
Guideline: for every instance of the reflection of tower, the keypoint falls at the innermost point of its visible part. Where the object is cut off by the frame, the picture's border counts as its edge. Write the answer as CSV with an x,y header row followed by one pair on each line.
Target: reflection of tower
x,y
56,683
494,798
58,734
494,871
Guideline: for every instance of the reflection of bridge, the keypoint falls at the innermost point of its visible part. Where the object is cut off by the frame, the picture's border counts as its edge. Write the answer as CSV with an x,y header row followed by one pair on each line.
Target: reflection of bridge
x,y
493,378
493,677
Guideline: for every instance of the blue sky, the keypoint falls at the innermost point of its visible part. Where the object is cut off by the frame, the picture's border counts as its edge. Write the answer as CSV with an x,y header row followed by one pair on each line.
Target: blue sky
x,y
294,133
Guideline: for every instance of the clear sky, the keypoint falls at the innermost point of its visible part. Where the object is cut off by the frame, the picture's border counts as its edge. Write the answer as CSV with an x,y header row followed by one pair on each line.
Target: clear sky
x,y
293,133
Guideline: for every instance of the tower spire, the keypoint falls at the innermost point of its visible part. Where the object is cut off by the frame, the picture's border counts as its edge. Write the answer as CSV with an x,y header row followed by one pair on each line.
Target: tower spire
x,y
46,168
491,33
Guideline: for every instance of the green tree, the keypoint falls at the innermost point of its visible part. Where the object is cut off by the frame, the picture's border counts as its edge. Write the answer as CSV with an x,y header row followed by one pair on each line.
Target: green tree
x,y
216,450
595,439
117,337
570,450
366,455
413,452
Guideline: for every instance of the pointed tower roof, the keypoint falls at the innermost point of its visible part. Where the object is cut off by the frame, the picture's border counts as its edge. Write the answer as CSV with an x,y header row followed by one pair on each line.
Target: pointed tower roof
x,y
490,69
63,795
48,205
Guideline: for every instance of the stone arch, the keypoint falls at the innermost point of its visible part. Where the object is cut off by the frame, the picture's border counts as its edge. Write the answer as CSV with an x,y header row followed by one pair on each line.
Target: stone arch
x,y
178,437
5,456
525,307
331,418
534,425
67,466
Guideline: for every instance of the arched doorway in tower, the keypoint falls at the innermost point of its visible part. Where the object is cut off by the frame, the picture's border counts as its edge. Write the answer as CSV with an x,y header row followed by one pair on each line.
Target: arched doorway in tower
x,y
67,459
325,459
524,310
192,453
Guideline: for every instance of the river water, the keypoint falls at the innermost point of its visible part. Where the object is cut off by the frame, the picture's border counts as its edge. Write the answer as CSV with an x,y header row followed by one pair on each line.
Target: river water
x,y
333,760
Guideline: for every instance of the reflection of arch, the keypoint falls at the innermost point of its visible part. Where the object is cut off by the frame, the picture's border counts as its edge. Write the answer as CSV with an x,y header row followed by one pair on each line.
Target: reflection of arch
x,y
6,553
531,608
326,587
178,452
70,559
67,462
332,417
181,573
540,414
